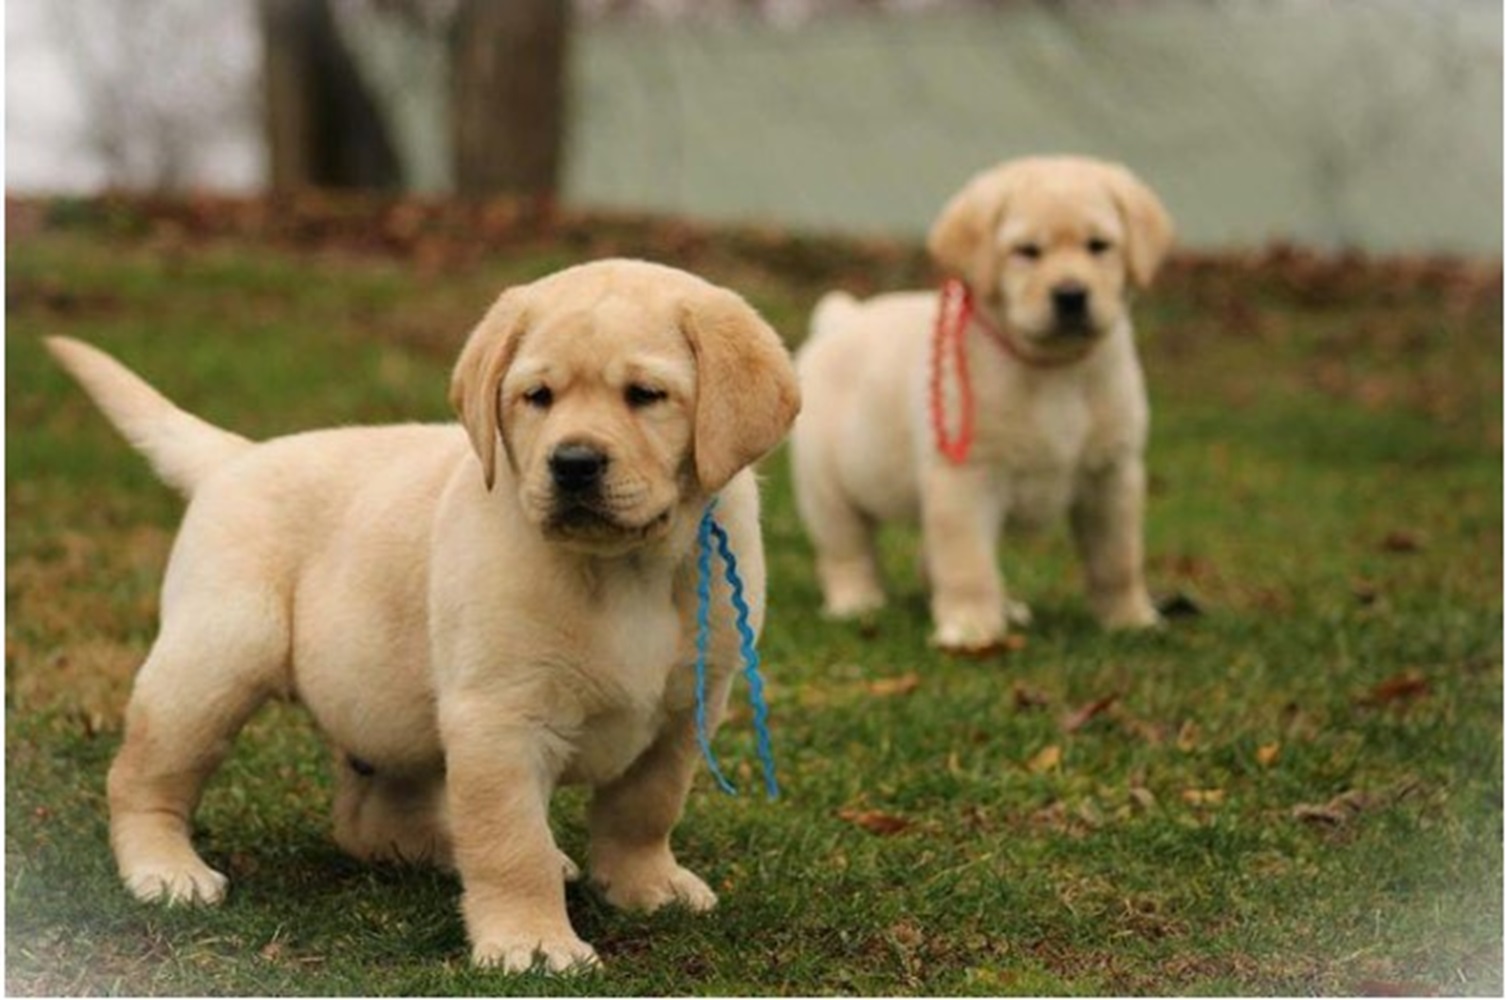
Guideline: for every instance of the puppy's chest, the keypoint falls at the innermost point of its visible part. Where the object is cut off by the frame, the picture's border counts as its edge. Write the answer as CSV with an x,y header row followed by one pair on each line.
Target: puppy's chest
x,y
1042,446
625,681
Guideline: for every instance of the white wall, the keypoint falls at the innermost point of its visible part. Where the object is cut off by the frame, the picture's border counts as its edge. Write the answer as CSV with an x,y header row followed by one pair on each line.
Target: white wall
x,y
1334,122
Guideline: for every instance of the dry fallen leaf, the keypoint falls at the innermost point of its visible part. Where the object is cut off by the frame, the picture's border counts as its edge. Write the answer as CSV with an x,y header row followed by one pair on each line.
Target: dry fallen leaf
x,y
1188,736
1048,759
1153,733
1091,814
1053,816
1365,592
1028,697
1203,796
1336,811
886,686
1268,753
879,823
1401,543
1073,721
907,935
1011,643
1403,687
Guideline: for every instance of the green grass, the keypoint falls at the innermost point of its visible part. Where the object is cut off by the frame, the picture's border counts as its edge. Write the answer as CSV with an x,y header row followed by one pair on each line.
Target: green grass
x,y
1326,484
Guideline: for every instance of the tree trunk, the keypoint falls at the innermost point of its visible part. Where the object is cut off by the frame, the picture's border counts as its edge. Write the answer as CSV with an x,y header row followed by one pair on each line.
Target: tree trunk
x,y
322,126
507,90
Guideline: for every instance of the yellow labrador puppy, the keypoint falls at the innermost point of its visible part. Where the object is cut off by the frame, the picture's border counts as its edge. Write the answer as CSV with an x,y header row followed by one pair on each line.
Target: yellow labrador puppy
x,y
1049,249
473,614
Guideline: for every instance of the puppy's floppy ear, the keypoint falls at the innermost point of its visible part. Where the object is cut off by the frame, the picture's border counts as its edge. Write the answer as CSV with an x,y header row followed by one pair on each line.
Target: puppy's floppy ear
x,y
477,379
746,396
961,239
1147,224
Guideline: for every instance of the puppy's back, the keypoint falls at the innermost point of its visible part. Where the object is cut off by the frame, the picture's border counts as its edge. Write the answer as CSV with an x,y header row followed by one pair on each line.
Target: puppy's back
x,y
849,336
834,310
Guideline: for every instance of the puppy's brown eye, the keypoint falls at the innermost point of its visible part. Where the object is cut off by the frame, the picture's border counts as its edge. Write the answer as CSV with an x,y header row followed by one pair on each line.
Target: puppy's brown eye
x,y
539,398
1098,247
639,396
1028,251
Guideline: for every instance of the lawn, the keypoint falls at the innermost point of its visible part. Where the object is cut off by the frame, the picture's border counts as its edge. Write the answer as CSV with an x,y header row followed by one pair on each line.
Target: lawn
x,y
1296,790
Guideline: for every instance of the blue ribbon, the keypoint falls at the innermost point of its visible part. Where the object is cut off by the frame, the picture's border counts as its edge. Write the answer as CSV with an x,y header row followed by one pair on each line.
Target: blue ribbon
x,y
713,537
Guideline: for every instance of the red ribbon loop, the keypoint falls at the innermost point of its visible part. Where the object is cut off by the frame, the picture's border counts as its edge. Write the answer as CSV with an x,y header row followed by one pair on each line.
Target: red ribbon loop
x,y
954,313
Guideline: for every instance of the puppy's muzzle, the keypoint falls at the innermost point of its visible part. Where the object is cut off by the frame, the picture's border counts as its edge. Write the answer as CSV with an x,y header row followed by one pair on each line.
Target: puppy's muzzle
x,y
577,469
1069,303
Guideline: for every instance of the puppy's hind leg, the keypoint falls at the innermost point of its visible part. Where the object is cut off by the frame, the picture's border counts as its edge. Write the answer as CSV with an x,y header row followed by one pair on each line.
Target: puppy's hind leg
x,y
214,662
843,537
382,817
847,565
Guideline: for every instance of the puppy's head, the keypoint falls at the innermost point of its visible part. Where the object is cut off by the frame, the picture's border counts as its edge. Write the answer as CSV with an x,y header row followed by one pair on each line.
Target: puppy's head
x,y
621,394
1051,245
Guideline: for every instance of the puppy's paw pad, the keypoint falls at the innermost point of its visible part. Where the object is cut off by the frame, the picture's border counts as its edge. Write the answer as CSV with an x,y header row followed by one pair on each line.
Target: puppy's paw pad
x,y
177,886
559,955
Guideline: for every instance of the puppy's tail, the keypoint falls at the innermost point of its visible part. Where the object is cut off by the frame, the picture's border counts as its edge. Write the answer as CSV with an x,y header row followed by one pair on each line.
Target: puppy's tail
x,y
830,311
183,449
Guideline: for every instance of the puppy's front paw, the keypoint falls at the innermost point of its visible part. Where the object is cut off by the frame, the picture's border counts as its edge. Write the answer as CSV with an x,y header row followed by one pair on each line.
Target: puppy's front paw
x,y
970,623
969,635
646,888
558,953
964,646
1133,613
849,589
176,884
846,605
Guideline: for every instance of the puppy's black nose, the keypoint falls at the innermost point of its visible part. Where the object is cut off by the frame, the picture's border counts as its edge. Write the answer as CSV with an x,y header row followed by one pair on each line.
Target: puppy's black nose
x,y
1070,300
577,467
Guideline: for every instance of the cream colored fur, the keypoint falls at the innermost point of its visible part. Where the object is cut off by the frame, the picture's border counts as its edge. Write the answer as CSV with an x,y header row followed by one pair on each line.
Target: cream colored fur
x,y
1062,416
416,587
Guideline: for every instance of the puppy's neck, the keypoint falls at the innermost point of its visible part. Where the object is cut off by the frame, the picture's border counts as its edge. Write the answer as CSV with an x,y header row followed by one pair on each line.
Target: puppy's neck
x,y
984,322
650,564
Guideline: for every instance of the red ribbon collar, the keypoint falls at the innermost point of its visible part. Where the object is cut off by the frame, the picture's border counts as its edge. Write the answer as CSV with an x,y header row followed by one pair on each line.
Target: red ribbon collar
x,y
956,310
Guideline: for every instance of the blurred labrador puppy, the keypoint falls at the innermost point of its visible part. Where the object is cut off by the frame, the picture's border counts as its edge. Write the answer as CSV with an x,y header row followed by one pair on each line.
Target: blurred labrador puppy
x,y
1049,250
473,614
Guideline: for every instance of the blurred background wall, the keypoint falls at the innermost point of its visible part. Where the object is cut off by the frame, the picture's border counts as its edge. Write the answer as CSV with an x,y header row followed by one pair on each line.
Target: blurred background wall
x,y
1372,124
